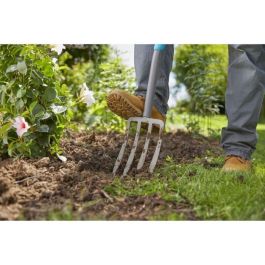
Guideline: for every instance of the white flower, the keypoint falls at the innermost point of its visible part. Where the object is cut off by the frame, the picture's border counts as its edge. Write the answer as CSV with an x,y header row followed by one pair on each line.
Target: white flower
x,y
54,60
21,125
62,158
58,48
87,95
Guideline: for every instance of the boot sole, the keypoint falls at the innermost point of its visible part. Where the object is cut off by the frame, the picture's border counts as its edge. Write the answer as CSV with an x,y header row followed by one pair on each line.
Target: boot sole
x,y
122,107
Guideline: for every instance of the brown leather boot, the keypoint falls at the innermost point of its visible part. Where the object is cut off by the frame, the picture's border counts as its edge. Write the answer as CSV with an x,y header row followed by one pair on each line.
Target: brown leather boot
x,y
126,105
236,164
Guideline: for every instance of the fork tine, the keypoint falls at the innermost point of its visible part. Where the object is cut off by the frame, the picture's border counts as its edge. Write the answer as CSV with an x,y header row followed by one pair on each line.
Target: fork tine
x,y
146,144
156,154
134,147
121,153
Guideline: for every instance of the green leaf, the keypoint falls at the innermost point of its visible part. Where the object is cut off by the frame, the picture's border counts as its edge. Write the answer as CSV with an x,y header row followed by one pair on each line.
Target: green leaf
x,y
58,109
4,129
3,94
11,68
20,104
38,110
49,94
32,106
46,116
33,93
10,148
21,92
43,128
22,67
44,139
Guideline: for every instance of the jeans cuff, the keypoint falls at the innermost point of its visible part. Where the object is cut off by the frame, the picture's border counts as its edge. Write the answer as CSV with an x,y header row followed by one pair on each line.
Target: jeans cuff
x,y
237,152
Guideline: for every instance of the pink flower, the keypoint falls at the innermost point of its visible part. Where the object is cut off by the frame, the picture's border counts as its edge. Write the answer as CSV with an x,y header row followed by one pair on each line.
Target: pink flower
x,y
21,125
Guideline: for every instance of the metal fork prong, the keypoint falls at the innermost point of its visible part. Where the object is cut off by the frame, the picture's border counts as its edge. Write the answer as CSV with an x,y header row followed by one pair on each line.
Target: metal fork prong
x,y
121,153
134,147
146,144
156,154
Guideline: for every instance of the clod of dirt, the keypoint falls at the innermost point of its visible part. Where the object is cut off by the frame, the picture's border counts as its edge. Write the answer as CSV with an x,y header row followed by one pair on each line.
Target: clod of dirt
x,y
43,162
3,186
37,188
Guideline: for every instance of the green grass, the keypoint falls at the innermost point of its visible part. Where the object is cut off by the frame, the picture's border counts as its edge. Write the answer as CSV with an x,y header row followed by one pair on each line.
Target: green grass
x,y
211,194
206,126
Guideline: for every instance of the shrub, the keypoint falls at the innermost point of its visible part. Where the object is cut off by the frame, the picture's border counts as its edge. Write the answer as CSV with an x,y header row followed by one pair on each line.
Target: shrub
x,y
39,97
30,88
74,76
112,75
203,70
101,75
82,53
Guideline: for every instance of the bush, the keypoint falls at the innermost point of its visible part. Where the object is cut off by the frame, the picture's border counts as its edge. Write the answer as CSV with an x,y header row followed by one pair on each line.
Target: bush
x,y
31,91
112,75
203,70
74,76
82,53
101,75
43,96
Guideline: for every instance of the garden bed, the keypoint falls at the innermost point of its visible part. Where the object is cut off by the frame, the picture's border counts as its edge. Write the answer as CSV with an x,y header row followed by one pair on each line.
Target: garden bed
x,y
46,188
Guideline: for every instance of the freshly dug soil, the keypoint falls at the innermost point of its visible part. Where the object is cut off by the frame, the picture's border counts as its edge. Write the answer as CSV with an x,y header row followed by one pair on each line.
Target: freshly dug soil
x,y
46,188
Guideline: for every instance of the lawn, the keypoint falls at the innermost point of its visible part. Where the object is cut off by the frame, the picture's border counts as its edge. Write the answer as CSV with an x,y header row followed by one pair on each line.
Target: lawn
x,y
206,193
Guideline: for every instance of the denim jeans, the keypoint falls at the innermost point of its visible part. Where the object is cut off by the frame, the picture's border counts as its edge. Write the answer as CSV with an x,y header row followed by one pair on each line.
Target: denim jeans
x,y
142,61
243,99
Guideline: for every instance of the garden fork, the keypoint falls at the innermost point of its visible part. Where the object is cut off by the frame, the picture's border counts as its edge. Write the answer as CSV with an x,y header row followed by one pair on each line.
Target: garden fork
x,y
146,119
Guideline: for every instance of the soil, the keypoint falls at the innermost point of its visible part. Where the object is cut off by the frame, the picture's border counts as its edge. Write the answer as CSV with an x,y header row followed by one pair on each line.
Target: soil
x,y
47,188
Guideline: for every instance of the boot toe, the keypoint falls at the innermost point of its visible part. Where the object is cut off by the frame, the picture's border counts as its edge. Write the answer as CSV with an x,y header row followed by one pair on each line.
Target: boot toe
x,y
236,164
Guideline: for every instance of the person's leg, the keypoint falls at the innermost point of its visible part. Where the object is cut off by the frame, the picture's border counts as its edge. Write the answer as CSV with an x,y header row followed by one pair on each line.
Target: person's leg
x,y
244,97
127,105
142,61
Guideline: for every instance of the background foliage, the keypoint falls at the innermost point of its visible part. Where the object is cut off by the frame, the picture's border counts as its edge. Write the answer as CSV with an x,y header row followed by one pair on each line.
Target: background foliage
x,y
78,66
112,75
81,53
203,71
100,67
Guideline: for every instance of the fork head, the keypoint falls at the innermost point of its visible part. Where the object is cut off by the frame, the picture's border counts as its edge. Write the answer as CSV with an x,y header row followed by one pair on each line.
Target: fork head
x,y
140,121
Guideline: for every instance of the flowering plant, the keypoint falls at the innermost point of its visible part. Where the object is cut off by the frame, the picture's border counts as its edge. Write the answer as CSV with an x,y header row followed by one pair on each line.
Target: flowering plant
x,y
34,104
44,87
